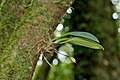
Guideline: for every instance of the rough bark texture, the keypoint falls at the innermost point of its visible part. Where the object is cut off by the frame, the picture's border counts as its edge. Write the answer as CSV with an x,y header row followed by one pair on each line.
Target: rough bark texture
x,y
24,23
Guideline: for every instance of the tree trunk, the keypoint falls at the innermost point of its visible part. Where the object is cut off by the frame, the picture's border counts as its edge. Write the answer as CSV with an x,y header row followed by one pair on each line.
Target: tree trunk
x,y
25,24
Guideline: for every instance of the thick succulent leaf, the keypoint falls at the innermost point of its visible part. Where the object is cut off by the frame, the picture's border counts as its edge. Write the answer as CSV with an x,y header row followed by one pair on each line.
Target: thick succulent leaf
x,y
61,40
72,59
36,72
82,34
85,42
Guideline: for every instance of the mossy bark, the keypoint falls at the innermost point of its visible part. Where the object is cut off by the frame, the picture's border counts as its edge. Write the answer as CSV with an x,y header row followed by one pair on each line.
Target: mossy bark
x,y
23,24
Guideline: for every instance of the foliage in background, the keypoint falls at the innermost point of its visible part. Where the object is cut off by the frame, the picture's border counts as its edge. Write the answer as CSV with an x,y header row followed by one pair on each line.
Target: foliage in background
x,y
96,17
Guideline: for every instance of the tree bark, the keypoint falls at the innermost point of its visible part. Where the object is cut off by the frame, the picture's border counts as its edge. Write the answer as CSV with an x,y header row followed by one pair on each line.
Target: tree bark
x,y
30,21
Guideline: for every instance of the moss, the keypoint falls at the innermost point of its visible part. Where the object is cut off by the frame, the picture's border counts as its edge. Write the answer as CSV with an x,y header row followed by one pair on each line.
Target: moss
x,y
22,24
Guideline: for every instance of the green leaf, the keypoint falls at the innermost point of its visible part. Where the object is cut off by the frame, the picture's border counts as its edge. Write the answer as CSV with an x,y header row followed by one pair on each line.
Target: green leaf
x,y
82,34
72,59
36,72
84,42
61,40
